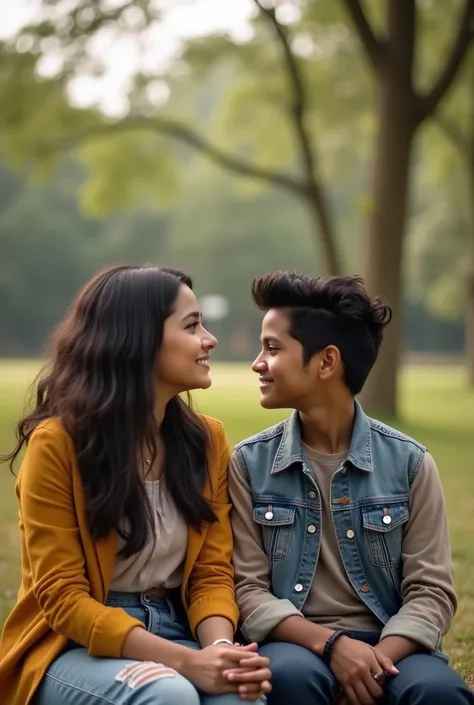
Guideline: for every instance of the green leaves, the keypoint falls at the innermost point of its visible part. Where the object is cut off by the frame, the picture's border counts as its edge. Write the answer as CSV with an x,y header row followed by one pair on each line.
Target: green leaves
x,y
128,169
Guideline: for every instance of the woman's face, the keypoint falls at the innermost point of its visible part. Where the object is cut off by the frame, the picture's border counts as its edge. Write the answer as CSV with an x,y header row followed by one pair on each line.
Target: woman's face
x,y
183,360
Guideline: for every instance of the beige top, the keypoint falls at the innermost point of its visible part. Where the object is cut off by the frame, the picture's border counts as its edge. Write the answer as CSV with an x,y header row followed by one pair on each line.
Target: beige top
x,y
429,600
341,606
160,562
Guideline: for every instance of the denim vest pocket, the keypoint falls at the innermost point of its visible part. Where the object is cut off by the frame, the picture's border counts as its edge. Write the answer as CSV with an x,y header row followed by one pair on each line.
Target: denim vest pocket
x,y
383,525
276,524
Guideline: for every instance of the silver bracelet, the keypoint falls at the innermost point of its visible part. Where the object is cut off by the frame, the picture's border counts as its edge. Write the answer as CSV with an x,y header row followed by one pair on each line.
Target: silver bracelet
x,y
222,641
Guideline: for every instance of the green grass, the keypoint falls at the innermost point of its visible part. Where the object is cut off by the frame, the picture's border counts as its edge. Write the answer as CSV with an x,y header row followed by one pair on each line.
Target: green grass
x,y
437,408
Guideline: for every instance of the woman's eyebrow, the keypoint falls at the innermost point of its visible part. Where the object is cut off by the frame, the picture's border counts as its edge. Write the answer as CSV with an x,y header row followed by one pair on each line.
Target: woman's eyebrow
x,y
193,314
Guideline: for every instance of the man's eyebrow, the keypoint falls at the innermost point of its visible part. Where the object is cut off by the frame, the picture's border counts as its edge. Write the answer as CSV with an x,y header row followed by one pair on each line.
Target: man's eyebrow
x,y
193,314
270,339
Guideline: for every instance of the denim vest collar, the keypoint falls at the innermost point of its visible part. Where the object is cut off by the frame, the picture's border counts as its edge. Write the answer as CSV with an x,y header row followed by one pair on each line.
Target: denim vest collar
x,y
360,450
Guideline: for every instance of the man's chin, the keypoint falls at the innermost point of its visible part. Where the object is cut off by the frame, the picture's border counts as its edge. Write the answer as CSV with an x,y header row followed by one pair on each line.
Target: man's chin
x,y
267,402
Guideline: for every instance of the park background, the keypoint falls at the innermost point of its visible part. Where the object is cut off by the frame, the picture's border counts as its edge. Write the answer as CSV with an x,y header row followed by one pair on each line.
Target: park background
x,y
232,138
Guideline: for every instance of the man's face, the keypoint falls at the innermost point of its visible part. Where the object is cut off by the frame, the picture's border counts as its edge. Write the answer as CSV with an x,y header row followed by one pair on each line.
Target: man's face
x,y
285,382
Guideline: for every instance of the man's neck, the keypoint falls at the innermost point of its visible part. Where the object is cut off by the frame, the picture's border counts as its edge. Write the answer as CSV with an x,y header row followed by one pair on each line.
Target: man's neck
x,y
327,428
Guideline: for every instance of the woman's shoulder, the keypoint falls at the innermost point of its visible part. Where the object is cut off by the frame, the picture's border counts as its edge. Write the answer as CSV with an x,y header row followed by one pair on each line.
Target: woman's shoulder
x,y
215,427
53,430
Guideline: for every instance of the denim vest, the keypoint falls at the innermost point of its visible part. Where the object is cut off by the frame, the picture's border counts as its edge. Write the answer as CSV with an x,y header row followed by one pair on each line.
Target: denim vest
x,y
369,504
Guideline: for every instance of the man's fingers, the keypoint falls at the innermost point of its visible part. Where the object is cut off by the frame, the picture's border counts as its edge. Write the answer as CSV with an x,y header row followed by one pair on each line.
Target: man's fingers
x,y
371,683
386,664
351,695
363,693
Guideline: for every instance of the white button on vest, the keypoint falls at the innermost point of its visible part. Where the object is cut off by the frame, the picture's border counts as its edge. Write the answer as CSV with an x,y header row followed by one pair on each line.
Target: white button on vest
x,y
311,529
311,494
350,534
269,515
387,519
298,587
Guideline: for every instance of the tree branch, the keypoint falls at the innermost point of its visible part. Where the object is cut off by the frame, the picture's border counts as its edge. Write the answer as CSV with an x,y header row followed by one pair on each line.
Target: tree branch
x,y
453,132
313,188
464,36
373,46
184,134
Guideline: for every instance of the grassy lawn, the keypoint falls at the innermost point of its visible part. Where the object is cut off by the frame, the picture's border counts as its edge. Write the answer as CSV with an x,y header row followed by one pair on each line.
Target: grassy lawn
x,y
437,408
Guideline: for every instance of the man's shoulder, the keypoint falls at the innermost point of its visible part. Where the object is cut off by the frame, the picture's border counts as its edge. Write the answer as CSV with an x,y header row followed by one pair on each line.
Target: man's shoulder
x,y
384,431
268,434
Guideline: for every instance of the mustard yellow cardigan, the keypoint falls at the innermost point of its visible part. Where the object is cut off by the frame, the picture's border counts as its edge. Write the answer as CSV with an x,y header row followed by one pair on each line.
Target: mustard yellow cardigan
x,y
66,575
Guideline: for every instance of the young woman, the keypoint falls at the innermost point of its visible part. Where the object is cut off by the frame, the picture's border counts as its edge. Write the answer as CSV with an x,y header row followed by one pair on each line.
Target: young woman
x,y
127,591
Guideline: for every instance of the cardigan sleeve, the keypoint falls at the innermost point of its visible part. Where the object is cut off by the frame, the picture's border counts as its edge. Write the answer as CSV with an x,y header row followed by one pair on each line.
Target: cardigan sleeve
x,y
211,584
55,551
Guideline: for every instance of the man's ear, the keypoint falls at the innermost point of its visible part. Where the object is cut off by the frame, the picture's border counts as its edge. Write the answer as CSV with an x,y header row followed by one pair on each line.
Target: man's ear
x,y
329,361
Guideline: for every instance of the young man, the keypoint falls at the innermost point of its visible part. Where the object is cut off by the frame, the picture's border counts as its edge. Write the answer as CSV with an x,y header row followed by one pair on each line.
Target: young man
x,y
342,554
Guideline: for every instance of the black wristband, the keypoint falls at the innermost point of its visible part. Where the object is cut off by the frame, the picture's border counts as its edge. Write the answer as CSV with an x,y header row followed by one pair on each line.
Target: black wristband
x,y
329,645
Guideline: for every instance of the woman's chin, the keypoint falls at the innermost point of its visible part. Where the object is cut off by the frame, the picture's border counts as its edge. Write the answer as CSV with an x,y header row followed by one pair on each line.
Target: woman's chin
x,y
206,383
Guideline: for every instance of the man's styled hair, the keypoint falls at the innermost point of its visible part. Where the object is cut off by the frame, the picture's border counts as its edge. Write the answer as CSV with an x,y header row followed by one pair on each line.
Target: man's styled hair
x,y
326,311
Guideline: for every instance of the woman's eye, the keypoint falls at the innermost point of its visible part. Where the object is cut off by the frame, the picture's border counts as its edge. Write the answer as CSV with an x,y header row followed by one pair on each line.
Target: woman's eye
x,y
193,325
272,351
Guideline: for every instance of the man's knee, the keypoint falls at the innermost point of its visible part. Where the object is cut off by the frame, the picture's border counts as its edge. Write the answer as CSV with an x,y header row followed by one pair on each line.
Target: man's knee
x,y
299,674
426,680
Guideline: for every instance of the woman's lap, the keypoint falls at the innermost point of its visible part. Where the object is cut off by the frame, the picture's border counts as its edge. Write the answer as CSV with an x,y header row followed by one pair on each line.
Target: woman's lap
x,y
75,678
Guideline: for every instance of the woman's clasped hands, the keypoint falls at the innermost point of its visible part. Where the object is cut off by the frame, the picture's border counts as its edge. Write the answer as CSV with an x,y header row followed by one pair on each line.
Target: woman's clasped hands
x,y
223,668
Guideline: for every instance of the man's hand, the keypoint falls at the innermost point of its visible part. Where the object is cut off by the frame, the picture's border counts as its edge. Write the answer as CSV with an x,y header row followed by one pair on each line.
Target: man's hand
x,y
354,664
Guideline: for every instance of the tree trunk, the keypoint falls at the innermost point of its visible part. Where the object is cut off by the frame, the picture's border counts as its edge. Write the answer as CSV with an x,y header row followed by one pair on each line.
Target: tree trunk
x,y
383,247
324,232
469,333
469,328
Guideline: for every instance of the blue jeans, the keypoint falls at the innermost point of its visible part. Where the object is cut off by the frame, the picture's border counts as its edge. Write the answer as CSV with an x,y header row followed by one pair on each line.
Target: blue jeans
x,y
300,676
75,678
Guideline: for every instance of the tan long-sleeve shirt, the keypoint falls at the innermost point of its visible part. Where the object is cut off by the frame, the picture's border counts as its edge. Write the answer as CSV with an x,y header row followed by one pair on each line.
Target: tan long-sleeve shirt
x,y
429,600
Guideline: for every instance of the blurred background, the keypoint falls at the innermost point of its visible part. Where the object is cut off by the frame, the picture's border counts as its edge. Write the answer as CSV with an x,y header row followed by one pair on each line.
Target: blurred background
x,y
232,137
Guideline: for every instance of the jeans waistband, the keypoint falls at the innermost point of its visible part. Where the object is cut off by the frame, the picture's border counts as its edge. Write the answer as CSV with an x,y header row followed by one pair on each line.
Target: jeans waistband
x,y
137,599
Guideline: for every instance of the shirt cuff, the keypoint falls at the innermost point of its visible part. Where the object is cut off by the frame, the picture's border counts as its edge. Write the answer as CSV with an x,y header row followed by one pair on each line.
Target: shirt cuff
x,y
266,617
414,628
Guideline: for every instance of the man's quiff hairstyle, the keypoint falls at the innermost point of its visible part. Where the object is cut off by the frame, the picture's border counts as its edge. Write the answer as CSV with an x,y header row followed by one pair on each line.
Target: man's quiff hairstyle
x,y
326,311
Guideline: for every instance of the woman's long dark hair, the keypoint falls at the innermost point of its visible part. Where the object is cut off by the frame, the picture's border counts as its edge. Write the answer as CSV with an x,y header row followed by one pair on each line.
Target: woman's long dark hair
x,y
100,383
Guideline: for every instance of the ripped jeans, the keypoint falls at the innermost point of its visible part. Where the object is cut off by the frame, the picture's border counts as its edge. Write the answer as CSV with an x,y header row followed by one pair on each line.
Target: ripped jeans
x,y
75,678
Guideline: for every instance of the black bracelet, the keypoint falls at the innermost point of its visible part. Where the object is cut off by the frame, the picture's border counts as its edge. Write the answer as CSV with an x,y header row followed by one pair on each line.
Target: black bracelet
x,y
329,645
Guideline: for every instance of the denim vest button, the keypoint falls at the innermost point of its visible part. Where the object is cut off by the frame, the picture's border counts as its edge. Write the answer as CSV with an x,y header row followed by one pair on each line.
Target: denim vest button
x,y
350,534
269,516
365,588
298,587
387,519
311,494
311,529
